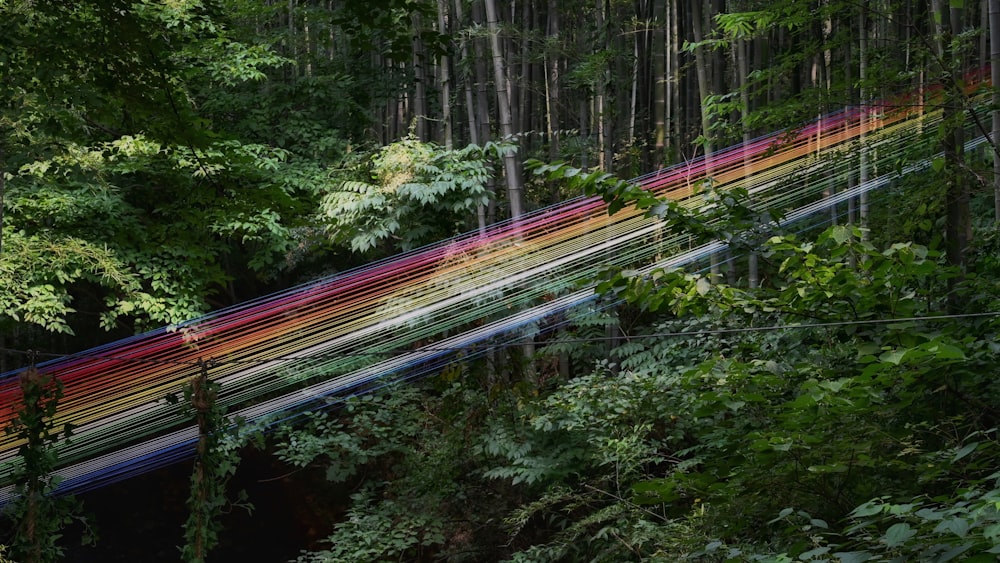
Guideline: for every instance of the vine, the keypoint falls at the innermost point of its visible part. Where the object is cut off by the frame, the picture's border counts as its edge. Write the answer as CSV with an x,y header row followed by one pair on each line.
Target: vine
x,y
216,461
40,515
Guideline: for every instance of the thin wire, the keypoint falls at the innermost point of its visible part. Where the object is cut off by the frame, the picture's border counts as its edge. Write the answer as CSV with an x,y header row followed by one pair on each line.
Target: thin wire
x,y
501,345
491,287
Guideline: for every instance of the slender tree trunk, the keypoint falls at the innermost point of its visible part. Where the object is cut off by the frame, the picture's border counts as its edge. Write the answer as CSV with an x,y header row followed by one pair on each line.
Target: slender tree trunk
x,y
601,113
701,69
863,168
553,123
634,97
660,77
293,48
994,10
524,83
743,72
959,196
672,113
445,74
420,80
307,41
470,108
515,191
958,224
483,103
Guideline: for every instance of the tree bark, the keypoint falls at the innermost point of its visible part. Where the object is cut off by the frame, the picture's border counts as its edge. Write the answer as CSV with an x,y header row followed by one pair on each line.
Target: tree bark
x,y
419,110
483,104
863,172
552,59
445,74
994,14
958,223
515,191
701,69
660,77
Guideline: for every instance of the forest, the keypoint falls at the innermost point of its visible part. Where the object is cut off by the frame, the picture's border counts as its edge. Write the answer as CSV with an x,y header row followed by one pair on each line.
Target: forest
x,y
824,389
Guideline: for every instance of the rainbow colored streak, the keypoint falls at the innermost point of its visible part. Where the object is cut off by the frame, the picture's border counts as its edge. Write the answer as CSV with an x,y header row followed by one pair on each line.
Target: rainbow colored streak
x,y
401,317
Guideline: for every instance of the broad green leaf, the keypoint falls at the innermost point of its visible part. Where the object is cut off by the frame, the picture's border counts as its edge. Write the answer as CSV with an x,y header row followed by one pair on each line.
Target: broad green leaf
x,y
964,451
898,534
869,508
893,357
957,525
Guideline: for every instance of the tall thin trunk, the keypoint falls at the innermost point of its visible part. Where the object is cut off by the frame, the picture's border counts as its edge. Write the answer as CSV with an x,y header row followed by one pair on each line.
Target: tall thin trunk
x,y
445,74
307,36
743,71
483,103
701,69
552,80
293,48
472,112
995,79
601,111
959,196
515,191
958,225
672,113
634,98
863,168
660,77
524,85
419,110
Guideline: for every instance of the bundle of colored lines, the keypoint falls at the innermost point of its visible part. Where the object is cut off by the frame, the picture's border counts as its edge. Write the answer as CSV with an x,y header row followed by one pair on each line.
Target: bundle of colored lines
x,y
405,317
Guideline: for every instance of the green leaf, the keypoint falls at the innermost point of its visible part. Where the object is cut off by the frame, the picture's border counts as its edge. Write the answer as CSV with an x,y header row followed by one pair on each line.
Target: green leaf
x,y
964,451
869,508
898,534
894,357
958,526
703,286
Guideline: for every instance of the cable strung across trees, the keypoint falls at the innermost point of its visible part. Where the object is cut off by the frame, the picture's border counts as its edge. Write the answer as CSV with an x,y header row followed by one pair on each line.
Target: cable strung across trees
x,y
309,346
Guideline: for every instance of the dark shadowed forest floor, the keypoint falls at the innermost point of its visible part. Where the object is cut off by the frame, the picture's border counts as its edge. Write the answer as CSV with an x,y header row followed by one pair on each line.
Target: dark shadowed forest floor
x,y
141,519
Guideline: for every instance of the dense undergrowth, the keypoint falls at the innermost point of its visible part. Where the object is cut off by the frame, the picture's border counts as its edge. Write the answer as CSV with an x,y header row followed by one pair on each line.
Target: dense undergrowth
x,y
843,412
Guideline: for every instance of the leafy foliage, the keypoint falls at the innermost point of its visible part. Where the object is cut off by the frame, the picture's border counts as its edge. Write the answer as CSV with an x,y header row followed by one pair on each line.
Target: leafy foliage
x,y
420,193
653,462
37,273
38,516
378,531
218,457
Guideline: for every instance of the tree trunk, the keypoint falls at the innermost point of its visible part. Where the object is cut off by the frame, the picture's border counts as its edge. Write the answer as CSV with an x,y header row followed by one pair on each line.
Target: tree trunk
x,y
515,191
672,113
470,107
483,104
660,77
959,214
553,123
419,110
445,74
701,69
863,171
958,223
601,112
995,78
524,82
743,71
